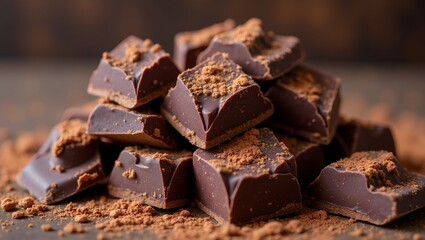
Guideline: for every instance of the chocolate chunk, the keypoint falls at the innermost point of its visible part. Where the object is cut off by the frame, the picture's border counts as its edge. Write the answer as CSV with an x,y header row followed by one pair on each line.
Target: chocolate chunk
x,y
161,178
369,186
67,163
356,136
306,104
261,54
81,112
214,102
250,178
134,73
309,156
188,45
137,126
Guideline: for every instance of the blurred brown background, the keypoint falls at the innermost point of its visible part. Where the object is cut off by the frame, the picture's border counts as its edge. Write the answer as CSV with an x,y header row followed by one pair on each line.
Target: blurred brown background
x,y
331,30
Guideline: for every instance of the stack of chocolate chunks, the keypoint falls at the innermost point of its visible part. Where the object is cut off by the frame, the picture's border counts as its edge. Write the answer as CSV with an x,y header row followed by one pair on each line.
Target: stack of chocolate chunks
x,y
246,131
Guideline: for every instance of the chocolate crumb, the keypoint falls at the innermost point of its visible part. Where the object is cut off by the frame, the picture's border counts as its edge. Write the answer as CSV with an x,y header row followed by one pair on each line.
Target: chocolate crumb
x,y
86,177
46,227
26,202
18,214
129,173
30,225
118,163
59,168
81,219
73,228
8,204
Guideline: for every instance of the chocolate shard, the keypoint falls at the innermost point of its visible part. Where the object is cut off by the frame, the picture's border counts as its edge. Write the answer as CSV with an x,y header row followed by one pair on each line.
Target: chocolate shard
x,y
353,135
368,186
261,54
306,104
309,157
214,102
250,178
188,45
67,163
161,178
137,126
134,73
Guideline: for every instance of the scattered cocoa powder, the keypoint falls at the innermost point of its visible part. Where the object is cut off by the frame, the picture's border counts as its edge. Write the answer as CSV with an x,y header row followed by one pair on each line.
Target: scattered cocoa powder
x,y
81,219
129,173
218,77
304,84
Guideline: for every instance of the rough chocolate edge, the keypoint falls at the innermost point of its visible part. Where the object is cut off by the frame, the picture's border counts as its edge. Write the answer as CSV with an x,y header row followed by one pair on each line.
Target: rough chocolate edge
x,y
217,140
127,194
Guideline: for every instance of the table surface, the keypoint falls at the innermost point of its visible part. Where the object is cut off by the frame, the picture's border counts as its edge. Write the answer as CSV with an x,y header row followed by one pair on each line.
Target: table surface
x,y
34,94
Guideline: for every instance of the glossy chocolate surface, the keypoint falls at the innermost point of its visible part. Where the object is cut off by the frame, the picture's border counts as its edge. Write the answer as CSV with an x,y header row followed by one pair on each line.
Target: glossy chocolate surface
x,y
161,178
137,126
188,45
309,156
369,186
134,73
52,177
211,113
356,136
261,54
306,104
261,183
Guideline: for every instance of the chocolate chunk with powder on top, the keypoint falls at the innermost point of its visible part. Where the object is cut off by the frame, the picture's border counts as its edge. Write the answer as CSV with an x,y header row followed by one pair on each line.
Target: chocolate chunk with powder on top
x,y
158,177
214,102
134,73
353,135
68,162
368,186
306,104
250,178
137,126
262,55
188,45
309,156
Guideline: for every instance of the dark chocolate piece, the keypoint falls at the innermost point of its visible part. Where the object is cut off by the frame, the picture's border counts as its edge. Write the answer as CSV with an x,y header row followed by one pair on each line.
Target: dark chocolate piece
x,y
309,156
134,73
250,178
67,163
137,126
81,112
188,45
214,102
261,54
356,136
368,186
161,178
306,104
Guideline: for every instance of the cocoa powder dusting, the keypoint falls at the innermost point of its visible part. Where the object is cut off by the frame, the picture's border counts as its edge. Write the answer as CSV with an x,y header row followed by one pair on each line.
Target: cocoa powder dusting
x,y
71,133
304,85
216,78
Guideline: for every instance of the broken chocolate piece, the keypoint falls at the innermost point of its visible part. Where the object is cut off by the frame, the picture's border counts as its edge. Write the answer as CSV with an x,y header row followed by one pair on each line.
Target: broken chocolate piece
x,y
250,178
161,178
306,104
137,126
134,73
356,136
368,186
214,102
67,163
261,54
309,156
188,45
81,112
